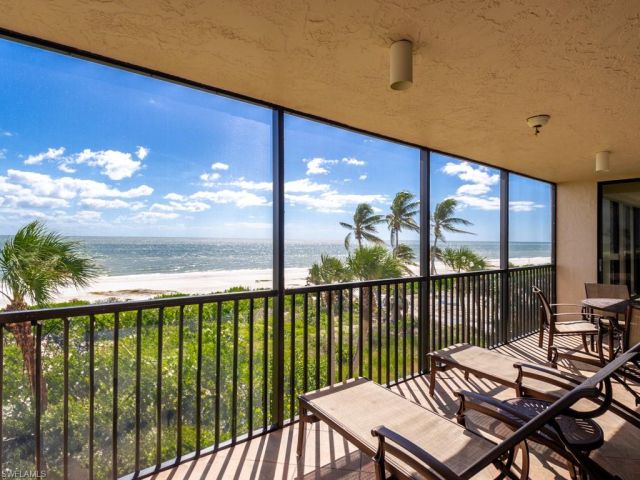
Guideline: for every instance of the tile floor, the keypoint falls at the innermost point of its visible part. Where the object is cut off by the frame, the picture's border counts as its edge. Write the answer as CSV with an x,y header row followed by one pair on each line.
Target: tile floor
x,y
328,456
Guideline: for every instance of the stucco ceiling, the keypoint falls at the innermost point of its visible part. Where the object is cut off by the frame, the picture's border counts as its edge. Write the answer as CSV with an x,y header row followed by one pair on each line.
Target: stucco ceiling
x,y
480,67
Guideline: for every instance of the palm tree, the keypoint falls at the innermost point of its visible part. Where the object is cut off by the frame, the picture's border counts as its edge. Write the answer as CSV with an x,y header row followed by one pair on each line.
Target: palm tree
x,y
364,226
403,209
329,270
407,257
463,259
371,263
34,265
442,220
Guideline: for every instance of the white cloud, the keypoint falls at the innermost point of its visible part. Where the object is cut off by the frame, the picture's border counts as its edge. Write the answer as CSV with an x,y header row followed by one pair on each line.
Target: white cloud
x,y
219,166
66,167
332,201
115,164
68,188
111,204
209,179
468,173
315,165
50,154
13,195
249,184
3,153
473,189
84,216
353,161
304,185
176,197
174,206
240,199
479,181
6,133
142,152
523,206
482,203
362,177
153,217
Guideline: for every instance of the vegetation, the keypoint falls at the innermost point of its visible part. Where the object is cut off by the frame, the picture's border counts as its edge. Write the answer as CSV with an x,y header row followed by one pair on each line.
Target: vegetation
x,y
403,210
34,265
443,220
377,336
463,259
363,227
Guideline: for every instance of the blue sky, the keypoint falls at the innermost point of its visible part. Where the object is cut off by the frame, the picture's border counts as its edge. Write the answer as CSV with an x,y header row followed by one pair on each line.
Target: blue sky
x,y
94,150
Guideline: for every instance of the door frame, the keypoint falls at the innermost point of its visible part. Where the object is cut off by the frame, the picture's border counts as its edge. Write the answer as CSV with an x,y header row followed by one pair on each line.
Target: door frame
x,y
599,260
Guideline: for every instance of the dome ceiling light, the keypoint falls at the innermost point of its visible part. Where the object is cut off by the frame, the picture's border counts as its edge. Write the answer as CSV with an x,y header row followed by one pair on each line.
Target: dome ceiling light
x,y
538,121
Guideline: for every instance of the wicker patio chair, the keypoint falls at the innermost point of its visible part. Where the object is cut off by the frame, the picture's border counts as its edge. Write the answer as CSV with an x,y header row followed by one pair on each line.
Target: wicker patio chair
x,y
560,324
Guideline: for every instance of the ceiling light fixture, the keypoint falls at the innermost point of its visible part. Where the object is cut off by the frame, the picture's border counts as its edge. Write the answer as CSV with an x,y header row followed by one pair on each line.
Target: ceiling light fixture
x,y
538,121
401,65
602,161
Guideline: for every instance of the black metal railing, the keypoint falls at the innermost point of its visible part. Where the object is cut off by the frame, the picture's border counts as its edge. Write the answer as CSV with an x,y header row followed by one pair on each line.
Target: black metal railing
x,y
125,389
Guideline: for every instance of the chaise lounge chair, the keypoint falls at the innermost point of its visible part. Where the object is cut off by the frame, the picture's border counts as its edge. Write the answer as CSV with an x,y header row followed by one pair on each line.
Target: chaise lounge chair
x,y
488,364
410,441
528,380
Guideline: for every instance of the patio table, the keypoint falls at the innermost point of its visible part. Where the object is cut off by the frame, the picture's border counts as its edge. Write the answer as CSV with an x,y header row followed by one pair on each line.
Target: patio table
x,y
613,305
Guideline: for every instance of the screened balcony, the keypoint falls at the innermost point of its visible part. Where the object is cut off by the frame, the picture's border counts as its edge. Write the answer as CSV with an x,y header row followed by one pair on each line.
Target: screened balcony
x,y
216,161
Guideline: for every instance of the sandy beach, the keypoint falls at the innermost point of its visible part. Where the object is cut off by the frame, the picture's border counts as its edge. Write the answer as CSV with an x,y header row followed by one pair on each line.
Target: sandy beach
x,y
143,286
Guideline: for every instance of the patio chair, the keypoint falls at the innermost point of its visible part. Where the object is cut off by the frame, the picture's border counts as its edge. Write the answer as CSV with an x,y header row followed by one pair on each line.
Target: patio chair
x,y
605,290
560,324
545,383
615,321
410,441
488,364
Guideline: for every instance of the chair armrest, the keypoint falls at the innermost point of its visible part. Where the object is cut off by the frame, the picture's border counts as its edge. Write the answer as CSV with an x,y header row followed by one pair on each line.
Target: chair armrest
x,y
609,323
565,305
475,401
491,407
403,446
546,374
579,314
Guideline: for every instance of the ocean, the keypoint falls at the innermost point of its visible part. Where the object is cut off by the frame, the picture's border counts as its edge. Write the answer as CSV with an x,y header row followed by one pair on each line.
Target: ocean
x,y
142,255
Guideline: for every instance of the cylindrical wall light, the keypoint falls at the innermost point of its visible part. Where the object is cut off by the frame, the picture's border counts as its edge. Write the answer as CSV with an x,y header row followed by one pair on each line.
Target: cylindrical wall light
x,y
401,65
602,161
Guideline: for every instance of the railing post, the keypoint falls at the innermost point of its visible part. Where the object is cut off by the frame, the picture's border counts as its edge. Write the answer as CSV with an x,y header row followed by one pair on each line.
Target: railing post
x,y
425,260
504,258
277,404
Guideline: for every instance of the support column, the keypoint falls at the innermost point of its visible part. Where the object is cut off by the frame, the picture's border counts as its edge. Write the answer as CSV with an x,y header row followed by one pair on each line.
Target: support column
x,y
277,404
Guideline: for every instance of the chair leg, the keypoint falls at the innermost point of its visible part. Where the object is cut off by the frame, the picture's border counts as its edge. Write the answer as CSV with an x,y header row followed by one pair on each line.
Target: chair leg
x,y
611,343
584,343
301,430
549,345
541,338
432,376
524,450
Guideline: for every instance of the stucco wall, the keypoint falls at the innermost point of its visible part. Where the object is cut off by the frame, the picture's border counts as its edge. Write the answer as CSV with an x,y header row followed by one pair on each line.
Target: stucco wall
x,y
577,217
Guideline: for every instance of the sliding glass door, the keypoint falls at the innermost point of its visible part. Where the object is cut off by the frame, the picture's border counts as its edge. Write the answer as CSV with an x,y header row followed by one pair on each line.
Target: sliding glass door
x,y
619,233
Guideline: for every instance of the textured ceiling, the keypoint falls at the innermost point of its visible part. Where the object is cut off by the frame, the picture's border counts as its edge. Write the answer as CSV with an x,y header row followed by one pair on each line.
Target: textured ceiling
x,y
480,67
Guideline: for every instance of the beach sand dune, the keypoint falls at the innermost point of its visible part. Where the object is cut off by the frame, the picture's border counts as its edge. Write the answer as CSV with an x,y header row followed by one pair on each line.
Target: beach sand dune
x,y
144,286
